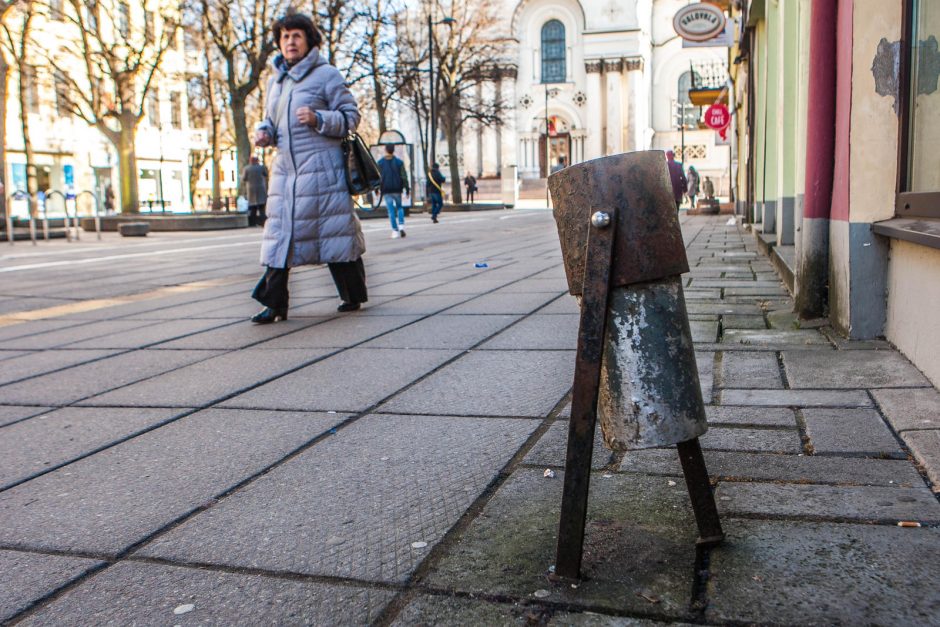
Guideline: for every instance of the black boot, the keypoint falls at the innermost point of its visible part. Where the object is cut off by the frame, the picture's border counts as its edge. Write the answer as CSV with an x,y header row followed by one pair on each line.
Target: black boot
x,y
348,307
268,315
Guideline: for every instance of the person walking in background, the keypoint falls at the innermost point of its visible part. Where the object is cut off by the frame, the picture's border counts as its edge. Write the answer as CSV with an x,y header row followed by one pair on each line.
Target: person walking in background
x,y
708,188
676,177
254,187
394,182
693,180
310,216
470,182
558,167
108,199
435,191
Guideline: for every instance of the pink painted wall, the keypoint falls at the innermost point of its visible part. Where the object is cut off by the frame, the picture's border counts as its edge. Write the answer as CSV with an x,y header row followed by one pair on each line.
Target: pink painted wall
x,y
840,183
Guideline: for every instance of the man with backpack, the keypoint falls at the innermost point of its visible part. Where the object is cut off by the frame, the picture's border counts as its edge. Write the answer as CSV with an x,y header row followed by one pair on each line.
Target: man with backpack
x,y
394,182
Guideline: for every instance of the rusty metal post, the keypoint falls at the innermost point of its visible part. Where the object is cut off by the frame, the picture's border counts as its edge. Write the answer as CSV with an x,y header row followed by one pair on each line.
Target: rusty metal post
x,y
645,390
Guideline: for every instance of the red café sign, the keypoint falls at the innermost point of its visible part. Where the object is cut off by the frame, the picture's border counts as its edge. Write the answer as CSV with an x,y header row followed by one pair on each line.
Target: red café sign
x,y
699,22
717,117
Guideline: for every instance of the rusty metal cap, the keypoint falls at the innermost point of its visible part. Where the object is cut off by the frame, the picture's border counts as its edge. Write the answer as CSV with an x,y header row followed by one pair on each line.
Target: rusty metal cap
x,y
636,186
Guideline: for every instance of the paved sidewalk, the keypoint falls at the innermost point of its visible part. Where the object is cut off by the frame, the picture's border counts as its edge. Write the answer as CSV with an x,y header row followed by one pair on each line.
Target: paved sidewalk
x,y
163,462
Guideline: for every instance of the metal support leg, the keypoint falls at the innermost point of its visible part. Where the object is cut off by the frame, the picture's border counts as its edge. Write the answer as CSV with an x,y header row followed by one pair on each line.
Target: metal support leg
x,y
700,491
584,401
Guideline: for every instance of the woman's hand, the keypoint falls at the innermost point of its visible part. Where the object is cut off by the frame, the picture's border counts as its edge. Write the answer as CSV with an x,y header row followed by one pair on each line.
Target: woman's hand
x,y
305,115
262,139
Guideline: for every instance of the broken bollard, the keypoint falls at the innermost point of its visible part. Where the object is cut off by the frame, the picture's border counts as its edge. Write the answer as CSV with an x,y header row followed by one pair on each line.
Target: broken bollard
x,y
635,369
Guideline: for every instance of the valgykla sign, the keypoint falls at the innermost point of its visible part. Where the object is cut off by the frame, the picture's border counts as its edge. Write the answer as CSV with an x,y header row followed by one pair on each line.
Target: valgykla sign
x,y
699,22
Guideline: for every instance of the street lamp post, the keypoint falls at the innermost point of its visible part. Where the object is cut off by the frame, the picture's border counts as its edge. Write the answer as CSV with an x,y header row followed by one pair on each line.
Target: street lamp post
x,y
432,124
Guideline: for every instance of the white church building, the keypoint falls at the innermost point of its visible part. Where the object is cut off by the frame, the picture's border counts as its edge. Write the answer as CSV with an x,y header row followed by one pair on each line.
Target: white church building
x,y
608,76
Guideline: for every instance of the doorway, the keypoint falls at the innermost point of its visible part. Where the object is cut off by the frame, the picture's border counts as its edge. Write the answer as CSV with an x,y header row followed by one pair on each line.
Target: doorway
x,y
559,146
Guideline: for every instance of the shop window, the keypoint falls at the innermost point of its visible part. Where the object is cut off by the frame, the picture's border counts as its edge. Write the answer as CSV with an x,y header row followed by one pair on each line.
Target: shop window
x,y
687,114
918,184
553,52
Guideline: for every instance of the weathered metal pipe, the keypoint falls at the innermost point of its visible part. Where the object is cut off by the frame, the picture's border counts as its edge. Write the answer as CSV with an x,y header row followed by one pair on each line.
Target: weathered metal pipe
x,y
649,392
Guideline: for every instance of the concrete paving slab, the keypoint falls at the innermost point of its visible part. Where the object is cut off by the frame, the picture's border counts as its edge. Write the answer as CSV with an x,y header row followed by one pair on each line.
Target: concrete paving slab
x,y
565,304
449,611
851,369
733,283
147,594
773,338
109,501
705,363
731,321
776,290
240,335
910,409
796,398
752,440
723,308
736,466
638,551
498,383
856,503
411,286
207,381
416,304
750,370
52,439
71,334
691,293
559,332
551,447
800,574
855,431
703,331
925,446
757,416
524,303
152,333
14,413
28,577
353,505
340,332
352,380
72,384
40,362
444,331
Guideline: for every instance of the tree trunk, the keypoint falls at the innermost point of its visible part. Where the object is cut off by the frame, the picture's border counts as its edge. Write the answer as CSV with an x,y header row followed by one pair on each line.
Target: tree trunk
x,y
127,165
31,184
4,83
450,117
242,139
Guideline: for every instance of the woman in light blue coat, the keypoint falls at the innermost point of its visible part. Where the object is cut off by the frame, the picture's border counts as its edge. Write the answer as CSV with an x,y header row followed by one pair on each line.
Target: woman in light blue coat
x,y
310,217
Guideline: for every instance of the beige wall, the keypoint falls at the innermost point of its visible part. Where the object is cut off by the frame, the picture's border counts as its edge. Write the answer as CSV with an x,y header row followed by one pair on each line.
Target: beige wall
x,y
874,130
913,303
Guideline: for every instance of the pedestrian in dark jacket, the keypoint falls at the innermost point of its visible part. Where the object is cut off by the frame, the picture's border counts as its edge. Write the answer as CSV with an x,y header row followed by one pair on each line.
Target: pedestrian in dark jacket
x,y
394,182
693,187
310,217
255,188
470,182
676,177
435,191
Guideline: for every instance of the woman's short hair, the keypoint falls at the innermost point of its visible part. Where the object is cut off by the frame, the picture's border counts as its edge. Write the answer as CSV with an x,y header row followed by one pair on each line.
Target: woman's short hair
x,y
297,21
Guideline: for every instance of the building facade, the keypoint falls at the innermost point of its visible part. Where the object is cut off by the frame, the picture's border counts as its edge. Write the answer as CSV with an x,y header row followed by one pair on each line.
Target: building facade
x,y
589,78
72,157
838,106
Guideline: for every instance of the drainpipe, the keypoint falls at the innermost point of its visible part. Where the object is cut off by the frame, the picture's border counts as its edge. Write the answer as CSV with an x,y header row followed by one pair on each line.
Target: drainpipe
x,y
812,265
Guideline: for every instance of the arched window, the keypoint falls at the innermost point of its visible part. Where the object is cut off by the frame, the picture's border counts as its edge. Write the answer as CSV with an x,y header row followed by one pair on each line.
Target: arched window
x,y
553,52
686,113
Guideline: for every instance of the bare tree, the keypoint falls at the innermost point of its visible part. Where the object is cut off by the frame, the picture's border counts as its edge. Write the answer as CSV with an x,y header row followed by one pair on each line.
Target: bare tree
x,y
241,32
374,60
17,44
5,7
338,21
119,63
467,54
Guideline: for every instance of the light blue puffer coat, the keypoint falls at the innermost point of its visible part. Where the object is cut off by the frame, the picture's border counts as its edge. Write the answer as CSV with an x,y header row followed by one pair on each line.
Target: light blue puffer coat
x,y
310,217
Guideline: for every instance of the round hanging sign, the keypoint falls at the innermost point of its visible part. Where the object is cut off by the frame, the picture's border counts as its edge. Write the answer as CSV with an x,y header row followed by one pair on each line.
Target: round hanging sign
x,y
699,22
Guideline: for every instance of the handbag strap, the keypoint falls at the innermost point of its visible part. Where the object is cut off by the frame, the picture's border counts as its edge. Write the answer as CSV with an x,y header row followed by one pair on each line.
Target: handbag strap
x,y
286,89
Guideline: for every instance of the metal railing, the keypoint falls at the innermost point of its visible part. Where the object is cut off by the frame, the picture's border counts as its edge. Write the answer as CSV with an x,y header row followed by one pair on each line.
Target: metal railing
x,y
71,222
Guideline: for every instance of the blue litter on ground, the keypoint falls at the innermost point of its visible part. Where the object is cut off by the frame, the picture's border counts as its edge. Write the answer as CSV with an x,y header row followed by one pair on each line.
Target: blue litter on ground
x,y
480,265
